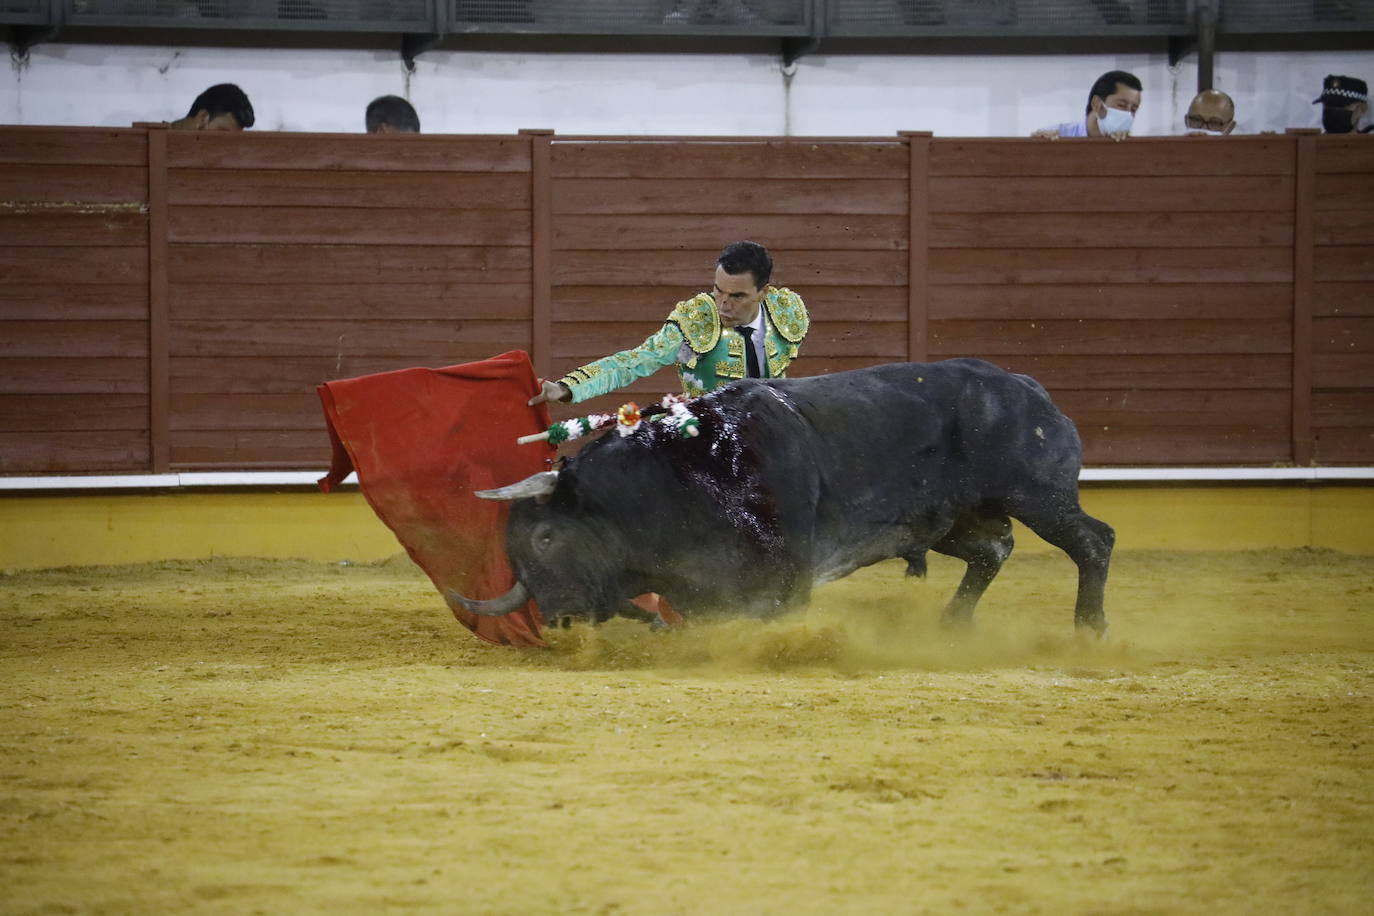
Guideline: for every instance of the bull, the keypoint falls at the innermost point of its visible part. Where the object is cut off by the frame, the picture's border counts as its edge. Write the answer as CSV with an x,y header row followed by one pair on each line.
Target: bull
x,y
792,483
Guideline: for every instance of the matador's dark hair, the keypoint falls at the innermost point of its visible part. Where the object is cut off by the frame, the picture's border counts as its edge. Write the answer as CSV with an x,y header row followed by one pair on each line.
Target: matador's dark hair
x,y
737,257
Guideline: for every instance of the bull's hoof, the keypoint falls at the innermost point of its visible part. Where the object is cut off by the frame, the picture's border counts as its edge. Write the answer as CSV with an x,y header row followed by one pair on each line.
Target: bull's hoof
x,y
1095,627
956,623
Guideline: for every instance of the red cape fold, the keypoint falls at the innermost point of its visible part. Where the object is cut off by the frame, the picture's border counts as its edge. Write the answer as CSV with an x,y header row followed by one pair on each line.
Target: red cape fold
x,y
422,440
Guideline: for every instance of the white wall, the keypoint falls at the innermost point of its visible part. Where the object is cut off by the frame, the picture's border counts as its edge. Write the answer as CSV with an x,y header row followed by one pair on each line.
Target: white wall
x,y
456,92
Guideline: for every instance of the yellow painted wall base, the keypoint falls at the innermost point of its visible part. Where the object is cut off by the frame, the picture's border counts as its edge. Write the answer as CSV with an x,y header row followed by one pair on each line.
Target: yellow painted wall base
x,y
41,531
1236,517
63,530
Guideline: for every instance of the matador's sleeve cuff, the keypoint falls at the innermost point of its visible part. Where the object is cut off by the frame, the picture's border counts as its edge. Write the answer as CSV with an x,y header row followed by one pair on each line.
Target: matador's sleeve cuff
x,y
575,379
620,369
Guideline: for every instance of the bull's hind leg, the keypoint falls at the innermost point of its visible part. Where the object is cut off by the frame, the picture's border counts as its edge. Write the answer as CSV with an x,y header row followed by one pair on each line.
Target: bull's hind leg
x,y
1086,540
984,543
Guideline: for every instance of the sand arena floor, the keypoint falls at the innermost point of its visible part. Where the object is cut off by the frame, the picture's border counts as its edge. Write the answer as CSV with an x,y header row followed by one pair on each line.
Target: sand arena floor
x,y
285,737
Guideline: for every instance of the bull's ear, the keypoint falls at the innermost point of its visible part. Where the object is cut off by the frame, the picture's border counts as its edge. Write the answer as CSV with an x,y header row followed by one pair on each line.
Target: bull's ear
x,y
537,486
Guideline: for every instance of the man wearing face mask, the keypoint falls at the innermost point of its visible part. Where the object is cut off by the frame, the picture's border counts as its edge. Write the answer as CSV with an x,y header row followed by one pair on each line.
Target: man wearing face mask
x,y
1112,104
1344,101
1212,113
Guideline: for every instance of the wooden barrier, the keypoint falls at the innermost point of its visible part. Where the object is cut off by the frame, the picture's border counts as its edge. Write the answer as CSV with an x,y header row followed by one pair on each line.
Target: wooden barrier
x,y
1148,284
74,368
1340,302
299,258
174,297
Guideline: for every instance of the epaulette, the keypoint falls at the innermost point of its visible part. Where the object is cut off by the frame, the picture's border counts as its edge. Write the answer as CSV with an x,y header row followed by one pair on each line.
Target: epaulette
x,y
787,313
699,322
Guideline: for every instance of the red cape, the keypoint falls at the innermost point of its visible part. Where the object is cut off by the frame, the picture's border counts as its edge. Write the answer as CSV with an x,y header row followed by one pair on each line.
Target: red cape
x,y
422,440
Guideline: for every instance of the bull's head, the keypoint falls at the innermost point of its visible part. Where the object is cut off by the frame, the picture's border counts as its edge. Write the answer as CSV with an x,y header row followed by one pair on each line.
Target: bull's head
x,y
561,556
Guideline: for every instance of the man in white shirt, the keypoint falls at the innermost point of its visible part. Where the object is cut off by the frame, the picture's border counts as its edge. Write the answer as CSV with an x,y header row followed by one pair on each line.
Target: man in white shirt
x,y
1112,104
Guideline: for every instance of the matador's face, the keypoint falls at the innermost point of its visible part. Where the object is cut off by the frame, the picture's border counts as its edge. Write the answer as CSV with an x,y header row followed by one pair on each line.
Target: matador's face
x,y
737,298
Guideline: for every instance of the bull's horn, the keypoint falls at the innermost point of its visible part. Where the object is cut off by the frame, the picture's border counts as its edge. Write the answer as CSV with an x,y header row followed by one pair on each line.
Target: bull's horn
x,y
535,485
512,600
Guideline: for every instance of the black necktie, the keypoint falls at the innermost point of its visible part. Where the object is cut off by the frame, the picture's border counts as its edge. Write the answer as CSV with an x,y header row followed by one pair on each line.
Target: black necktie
x,y
751,356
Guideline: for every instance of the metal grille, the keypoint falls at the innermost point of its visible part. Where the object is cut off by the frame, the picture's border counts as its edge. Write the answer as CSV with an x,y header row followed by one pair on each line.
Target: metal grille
x,y
622,17
323,15
785,18
1254,16
24,12
1009,18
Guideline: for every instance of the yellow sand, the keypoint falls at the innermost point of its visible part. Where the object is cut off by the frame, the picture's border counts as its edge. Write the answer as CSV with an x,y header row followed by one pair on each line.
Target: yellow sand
x,y
248,736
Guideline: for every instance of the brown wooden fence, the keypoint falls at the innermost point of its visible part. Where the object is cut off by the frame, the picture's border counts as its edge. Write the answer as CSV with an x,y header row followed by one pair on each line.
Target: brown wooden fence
x,y
74,369
172,298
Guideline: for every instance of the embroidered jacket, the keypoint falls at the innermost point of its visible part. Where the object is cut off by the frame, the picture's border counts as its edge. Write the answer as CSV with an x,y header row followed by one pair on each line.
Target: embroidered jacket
x,y
707,355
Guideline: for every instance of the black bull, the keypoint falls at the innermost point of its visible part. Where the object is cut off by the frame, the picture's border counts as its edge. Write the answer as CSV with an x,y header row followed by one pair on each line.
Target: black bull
x,y
796,482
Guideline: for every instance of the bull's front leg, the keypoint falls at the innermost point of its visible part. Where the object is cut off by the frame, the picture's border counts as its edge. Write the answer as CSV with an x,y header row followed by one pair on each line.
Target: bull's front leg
x,y
984,543
791,589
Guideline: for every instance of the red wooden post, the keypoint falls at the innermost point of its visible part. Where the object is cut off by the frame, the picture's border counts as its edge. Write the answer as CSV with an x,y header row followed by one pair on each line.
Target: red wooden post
x,y
918,245
541,248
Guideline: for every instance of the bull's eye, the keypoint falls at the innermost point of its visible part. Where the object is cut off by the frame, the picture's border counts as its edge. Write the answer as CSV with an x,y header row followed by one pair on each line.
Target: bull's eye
x,y
541,538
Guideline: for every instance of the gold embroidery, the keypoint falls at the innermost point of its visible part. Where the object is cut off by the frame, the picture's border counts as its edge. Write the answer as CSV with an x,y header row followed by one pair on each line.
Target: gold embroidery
x,y
581,375
730,367
733,364
779,357
699,322
787,313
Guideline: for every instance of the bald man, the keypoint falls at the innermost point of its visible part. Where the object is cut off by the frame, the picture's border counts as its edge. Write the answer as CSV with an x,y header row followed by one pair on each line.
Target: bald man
x,y
1212,112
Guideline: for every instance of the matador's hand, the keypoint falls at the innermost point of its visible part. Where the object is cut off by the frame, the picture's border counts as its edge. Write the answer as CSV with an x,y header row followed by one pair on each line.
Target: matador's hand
x,y
551,391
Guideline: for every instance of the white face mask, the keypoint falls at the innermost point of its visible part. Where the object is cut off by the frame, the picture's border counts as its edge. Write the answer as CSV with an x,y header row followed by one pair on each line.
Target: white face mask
x,y
1115,121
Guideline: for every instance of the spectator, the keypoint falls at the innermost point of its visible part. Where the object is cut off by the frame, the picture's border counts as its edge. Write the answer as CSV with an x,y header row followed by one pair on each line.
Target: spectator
x,y
391,114
221,107
1112,104
1344,101
1212,112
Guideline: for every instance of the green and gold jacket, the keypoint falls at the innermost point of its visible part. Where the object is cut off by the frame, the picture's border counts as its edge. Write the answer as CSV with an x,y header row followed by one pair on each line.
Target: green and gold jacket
x,y
707,355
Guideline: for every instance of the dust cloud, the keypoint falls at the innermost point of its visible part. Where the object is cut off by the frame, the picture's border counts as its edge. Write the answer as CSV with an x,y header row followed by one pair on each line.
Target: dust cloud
x,y
881,619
